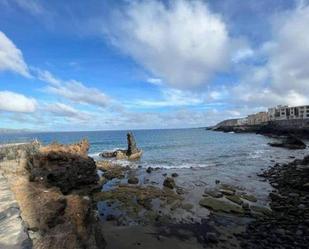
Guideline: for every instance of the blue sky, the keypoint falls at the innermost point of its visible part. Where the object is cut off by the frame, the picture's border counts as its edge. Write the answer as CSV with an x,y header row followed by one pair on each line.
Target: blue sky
x,y
95,65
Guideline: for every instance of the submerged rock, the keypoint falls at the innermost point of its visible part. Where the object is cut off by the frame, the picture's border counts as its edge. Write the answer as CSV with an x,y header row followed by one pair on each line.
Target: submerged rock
x,y
174,174
220,205
169,183
290,142
235,198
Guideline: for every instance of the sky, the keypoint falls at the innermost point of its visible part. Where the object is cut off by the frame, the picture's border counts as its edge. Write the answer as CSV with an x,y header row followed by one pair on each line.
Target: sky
x,y
147,64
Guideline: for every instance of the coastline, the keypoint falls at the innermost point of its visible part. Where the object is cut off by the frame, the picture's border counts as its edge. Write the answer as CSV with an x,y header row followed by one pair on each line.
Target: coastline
x,y
136,208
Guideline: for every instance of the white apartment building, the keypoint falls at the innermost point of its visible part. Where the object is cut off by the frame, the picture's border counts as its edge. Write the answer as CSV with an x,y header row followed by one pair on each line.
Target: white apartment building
x,y
287,113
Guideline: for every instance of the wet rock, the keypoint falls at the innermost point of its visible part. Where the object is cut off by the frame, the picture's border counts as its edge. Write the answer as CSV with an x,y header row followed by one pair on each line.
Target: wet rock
x,y
234,198
149,170
227,191
187,206
248,197
213,193
211,237
133,180
260,210
180,191
174,174
291,142
169,183
220,205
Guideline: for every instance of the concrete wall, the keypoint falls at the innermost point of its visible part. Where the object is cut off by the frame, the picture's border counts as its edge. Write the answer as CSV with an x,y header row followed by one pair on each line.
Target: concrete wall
x,y
13,157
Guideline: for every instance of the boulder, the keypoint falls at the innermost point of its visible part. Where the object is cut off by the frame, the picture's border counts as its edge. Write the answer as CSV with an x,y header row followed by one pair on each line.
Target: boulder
x,y
290,142
220,205
64,170
169,183
133,180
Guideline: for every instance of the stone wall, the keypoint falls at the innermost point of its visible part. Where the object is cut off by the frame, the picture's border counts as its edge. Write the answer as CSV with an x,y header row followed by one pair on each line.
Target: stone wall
x,y
13,157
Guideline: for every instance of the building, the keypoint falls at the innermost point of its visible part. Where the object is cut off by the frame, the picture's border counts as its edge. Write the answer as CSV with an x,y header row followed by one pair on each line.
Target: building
x,y
242,121
258,118
287,113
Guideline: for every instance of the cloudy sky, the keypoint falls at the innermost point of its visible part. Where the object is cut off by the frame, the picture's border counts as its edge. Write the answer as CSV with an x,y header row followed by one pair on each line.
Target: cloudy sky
x,y
105,64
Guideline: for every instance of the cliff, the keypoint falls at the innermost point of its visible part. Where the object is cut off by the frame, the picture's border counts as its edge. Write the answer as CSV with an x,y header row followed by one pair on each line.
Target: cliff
x,y
298,127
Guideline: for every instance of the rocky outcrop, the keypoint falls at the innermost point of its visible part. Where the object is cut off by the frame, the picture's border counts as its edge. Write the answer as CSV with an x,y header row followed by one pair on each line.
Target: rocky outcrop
x,y
169,183
81,148
64,170
288,225
132,153
56,205
290,142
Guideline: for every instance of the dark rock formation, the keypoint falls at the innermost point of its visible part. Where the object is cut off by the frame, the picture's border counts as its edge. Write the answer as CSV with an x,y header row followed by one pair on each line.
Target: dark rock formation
x,y
169,183
63,170
132,148
133,180
290,142
132,153
288,225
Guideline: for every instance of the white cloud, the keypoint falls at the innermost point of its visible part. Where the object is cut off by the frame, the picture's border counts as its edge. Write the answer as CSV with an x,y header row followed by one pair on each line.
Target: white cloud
x,y
74,90
32,6
63,110
11,58
242,55
171,98
155,81
15,102
182,42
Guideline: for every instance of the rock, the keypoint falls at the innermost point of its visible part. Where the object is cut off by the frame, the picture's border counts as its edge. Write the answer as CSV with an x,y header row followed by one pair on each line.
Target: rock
x,y
108,154
132,148
217,181
227,191
133,180
220,205
234,198
61,169
132,153
306,185
291,142
110,217
187,206
180,191
248,197
212,238
121,155
174,174
149,170
213,193
261,210
169,183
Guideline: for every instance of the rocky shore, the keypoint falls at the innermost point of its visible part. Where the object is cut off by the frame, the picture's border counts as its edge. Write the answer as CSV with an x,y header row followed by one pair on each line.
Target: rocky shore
x,y
68,200
288,226
53,186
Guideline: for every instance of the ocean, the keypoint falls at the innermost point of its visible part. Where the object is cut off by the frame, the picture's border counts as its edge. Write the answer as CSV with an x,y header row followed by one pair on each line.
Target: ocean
x,y
200,156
